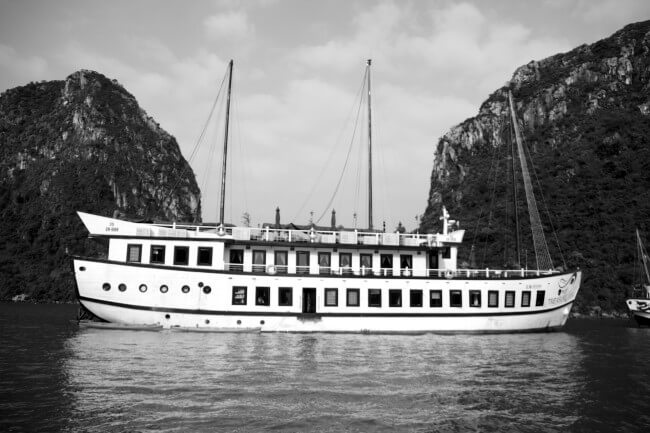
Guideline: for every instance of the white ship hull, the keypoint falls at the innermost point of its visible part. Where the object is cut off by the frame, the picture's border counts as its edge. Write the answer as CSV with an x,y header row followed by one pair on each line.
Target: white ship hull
x,y
215,310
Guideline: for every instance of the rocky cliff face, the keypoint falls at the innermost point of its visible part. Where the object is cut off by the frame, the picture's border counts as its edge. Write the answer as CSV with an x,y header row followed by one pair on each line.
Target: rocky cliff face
x,y
79,144
585,117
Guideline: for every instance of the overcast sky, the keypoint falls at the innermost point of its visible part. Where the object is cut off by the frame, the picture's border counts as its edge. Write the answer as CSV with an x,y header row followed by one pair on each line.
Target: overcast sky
x,y
298,69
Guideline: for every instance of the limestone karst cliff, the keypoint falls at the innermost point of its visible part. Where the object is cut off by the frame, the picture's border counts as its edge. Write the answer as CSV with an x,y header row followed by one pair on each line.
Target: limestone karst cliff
x,y
585,116
79,144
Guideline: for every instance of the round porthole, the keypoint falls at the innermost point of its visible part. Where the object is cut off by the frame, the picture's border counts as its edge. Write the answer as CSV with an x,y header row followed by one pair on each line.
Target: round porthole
x,y
163,289
261,322
106,287
167,316
121,287
200,284
83,268
207,321
239,322
207,290
185,289
143,288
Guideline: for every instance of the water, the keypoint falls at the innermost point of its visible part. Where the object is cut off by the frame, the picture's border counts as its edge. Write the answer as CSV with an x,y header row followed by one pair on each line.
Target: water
x,y
595,376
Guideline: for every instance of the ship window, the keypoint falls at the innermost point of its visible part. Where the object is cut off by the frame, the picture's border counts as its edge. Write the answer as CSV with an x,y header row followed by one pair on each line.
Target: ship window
x,y
455,298
510,299
374,297
416,298
121,287
143,288
106,286
525,299
352,298
134,253
539,301
331,297
207,290
493,298
185,289
281,262
181,255
446,253
345,263
302,262
157,254
164,289
435,298
366,264
239,295
262,295
285,296
259,260
406,264
236,260
204,257
386,262
395,298
474,298
324,263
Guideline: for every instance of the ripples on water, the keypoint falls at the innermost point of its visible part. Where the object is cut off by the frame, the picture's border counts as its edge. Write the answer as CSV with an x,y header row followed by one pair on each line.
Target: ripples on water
x,y
56,377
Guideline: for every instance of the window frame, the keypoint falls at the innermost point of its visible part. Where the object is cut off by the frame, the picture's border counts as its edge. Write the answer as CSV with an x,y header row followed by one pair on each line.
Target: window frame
x,y
258,267
538,302
391,293
496,304
300,269
371,293
187,257
325,270
347,297
452,294
506,304
128,253
416,292
259,291
198,256
474,293
345,269
232,266
151,254
285,289
431,304
336,297
234,295
523,296
281,269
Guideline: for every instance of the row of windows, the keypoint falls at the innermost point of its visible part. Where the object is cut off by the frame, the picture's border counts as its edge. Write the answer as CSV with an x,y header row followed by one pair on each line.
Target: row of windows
x,y
285,296
181,255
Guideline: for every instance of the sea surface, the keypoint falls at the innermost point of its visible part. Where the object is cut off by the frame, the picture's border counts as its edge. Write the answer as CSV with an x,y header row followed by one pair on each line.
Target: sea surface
x,y
54,376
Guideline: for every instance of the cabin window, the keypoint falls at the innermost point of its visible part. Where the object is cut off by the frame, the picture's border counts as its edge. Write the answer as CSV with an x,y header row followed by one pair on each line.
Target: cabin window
x,y
331,297
386,262
259,260
416,298
366,264
324,263
493,298
352,298
143,288
285,296
446,253
455,298
406,264
106,286
262,295
395,298
474,298
236,260
164,289
435,298
157,254
433,264
374,297
302,262
181,255
204,257
510,299
239,295
207,290
345,263
281,262
539,300
185,289
525,299
122,287
134,253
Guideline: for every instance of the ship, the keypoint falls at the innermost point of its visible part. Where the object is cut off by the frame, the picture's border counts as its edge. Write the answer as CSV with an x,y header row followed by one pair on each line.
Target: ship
x,y
290,278
639,304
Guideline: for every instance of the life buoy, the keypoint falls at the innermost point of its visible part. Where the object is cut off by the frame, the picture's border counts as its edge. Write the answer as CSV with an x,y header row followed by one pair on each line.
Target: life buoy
x,y
449,274
270,269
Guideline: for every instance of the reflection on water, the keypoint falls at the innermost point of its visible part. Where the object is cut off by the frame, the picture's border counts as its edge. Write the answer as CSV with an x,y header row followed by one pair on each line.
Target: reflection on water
x,y
590,378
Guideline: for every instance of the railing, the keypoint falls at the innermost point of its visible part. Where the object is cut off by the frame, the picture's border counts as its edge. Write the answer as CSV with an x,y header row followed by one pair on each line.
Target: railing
x,y
390,272
267,234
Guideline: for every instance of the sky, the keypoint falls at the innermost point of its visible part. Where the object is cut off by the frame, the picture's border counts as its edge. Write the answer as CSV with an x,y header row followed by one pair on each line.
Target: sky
x,y
298,70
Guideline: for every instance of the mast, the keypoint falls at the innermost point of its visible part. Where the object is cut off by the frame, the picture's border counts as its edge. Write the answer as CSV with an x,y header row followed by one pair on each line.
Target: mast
x,y
225,149
542,256
643,255
514,194
369,61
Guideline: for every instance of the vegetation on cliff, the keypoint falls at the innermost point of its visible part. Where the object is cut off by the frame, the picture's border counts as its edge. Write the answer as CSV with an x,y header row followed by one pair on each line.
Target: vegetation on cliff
x,y
585,117
79,144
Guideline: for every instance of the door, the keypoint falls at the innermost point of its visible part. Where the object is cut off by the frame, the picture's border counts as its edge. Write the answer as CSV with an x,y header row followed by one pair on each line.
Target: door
x,y
433,263
308,300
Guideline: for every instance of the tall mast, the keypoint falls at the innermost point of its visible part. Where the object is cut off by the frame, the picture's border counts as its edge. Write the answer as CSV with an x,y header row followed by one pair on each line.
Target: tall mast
x,y
369,61
225,149
542,255
642,255
514,193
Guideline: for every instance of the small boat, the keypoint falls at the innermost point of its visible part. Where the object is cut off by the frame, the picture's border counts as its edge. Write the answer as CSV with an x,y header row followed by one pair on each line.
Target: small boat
x,y
192,277
639,306
119,326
